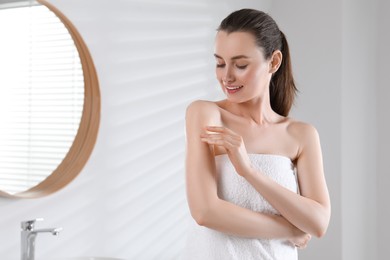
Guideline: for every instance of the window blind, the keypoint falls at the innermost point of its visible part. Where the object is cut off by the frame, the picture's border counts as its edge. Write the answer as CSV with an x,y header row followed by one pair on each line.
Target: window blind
x,y
41,95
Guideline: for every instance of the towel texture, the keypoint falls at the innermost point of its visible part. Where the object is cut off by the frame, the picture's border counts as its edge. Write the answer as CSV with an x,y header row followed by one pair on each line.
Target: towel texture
x,y
207,244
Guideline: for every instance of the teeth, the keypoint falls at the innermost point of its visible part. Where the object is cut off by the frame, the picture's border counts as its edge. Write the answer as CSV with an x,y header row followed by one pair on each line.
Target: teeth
x,y
232,87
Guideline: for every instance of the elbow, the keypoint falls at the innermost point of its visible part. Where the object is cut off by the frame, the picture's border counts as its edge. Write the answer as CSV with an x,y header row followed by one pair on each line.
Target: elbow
x,y
199,218
322,226
203,214
320,231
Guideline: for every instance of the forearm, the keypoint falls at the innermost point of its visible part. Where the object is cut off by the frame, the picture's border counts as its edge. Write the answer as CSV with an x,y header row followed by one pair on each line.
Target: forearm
x,y
304,213
228,218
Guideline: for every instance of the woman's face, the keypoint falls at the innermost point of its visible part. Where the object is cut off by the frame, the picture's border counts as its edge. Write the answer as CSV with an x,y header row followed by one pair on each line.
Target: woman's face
x,y
241,69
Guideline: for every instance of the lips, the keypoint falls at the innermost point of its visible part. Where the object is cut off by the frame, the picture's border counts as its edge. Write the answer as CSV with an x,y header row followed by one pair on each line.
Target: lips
x,y
233,89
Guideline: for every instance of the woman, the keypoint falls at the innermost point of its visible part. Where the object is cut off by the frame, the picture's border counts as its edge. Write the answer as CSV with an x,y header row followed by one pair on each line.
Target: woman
x,y
242,152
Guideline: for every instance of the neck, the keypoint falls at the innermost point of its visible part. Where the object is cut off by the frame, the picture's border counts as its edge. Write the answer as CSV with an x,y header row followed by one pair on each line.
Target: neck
x,y
258,111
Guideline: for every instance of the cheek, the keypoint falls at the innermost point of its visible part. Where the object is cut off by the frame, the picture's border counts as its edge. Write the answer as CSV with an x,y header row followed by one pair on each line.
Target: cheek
x,y
258,75
250,76
256,79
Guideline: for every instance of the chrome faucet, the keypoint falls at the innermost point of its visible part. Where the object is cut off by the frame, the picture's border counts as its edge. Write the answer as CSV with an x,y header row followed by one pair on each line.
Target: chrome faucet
x,y
28,236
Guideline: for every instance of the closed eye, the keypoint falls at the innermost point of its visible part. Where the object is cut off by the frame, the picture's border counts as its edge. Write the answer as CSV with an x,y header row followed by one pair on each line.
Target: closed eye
x,y
241,67
220,65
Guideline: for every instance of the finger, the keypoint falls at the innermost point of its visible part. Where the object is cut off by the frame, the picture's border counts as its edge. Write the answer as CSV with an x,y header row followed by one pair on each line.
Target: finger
x,y
231,143
233,139
304,243
301,246
211,138
230,138
204,135
308,238
220,129
213,141
219,140
212,128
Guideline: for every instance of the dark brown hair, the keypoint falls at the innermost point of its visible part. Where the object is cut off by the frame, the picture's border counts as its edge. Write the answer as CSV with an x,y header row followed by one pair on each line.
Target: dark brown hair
x,y
269,38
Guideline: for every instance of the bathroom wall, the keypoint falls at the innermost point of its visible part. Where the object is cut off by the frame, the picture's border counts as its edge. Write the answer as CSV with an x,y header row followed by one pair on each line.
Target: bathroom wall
x,y
359,142
383,128
153,58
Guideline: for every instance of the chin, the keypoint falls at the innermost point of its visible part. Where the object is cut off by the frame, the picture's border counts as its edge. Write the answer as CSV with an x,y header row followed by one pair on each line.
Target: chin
x,y
236,100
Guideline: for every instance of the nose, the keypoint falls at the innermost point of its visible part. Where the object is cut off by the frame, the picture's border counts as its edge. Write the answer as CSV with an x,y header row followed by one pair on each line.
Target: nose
x,y
228,76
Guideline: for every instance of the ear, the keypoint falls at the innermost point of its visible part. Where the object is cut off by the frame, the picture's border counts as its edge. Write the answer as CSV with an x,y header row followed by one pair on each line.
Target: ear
x,y
276,61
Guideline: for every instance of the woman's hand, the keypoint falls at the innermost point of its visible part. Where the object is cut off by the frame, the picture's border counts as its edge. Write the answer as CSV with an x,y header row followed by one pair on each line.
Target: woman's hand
x,y
300,240
234,145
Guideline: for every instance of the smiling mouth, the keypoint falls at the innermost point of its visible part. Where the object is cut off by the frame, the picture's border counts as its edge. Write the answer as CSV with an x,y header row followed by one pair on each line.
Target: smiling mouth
x,y
233,89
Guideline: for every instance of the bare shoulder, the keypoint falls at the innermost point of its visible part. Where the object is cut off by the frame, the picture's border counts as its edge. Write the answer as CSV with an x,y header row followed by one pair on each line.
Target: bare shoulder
x,y
299,128
206,111
202,105
305,134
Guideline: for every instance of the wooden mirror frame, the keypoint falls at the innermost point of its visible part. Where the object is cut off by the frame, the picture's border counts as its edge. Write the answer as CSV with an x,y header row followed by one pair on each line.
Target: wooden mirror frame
x,y
86,135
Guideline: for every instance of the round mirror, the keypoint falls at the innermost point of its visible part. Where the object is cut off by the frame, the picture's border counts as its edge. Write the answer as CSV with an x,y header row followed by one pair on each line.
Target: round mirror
x,y
49,100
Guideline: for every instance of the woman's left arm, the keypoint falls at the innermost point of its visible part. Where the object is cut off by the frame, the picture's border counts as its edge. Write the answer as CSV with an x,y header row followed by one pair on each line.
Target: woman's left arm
x,y
309,210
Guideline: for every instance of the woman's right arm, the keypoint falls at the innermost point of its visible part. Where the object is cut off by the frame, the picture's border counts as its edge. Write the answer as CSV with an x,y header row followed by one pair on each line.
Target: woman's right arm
x,y
205,206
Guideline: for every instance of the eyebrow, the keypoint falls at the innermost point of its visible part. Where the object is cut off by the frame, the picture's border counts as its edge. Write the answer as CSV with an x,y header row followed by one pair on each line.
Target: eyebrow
x,y
233,58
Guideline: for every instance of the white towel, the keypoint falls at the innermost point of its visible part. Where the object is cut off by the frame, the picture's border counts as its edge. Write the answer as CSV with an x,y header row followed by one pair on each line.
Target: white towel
x,y
207,244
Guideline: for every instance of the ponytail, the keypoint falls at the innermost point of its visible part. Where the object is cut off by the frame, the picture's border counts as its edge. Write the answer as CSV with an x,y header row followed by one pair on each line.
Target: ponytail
x,y
282,86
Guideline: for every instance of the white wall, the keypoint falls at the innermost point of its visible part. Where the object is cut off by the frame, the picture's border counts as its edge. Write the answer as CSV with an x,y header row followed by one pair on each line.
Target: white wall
x,y
383,128
153,58
359,130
